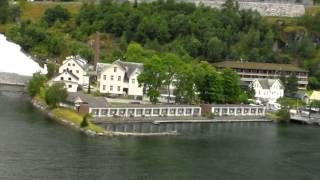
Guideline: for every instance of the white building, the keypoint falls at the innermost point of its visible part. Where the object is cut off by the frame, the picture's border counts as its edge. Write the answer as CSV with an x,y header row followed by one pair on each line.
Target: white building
x,y
119,78
68,78
77,66
267,89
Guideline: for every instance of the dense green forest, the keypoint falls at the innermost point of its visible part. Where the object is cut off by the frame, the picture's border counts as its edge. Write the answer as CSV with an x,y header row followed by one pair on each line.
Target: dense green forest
x,y
144,31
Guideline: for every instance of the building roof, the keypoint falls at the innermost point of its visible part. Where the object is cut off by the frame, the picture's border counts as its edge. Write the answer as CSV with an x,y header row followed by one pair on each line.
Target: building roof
x,y
130,67
315,95
94,102
257,65
267,83
150,105
80,61
234,106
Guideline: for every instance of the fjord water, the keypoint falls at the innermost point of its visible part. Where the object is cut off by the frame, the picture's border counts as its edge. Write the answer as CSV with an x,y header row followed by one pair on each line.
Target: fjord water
x,y
35,147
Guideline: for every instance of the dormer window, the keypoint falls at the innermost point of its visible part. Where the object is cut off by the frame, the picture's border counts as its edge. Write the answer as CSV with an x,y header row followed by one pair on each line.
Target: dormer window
x,y
69,78
61,78
115,69
68,64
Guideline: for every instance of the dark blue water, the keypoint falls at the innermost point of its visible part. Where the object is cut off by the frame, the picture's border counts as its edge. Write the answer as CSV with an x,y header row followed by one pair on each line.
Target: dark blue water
x,y
34,147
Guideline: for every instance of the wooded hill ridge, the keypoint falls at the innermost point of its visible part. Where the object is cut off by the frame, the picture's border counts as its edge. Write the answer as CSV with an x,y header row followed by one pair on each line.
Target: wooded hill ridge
x,y
135,32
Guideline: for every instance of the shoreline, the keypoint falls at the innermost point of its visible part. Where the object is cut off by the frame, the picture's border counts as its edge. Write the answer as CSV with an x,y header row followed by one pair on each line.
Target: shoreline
x,y
44,109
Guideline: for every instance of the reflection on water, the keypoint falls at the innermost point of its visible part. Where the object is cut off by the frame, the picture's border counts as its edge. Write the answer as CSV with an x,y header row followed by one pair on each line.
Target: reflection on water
x,y
185,128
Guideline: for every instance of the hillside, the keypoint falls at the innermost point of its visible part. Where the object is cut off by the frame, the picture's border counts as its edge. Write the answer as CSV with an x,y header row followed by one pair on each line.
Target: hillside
x,y
192,33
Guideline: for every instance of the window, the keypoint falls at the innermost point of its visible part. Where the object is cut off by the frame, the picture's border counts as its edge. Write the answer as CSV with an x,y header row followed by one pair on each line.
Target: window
x,y
77,71
73,64
115,69
71,71
104,87
118,88
69,78
119,78
64,70
111,78
68,64
104,77
61,78
133,81
111,88
70,86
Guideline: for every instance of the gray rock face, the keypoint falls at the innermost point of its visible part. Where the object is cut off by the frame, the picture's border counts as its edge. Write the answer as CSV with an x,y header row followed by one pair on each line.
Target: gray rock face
x,y
265,9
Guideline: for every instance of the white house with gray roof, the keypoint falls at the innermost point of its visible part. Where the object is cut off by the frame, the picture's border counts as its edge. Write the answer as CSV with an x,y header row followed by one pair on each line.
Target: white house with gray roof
x,y
267,89
119,78
78,67
68,78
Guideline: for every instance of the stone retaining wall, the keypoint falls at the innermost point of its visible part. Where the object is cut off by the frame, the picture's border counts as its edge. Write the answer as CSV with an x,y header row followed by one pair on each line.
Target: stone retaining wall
x,y
265,9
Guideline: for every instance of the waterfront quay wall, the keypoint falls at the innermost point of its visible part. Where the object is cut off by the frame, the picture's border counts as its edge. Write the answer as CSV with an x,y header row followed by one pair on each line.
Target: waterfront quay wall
x,y
234,110
167,111
147,111
13,79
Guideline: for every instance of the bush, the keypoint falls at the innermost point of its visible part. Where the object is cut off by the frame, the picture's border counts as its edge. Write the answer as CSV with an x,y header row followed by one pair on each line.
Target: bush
x,y
54,14
283,115
56,94
85,122
35,84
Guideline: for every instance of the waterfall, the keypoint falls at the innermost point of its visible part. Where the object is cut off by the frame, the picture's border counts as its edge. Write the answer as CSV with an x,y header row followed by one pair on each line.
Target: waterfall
x,y
13,60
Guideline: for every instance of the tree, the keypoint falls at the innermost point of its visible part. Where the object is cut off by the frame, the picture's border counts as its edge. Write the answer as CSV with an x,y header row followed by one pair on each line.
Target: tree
x,y
56,94
14,13
54,14
4,11
52,67
215,49
291,85
313,83
152,77
208,83
172,64
135,52
184,85
35,84
231,86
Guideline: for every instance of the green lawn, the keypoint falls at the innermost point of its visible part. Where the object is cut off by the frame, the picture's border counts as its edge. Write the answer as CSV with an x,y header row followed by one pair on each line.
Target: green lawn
x,y
34,10
75,117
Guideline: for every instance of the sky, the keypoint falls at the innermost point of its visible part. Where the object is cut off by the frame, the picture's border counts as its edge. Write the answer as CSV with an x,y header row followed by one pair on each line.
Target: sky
x,y
13,60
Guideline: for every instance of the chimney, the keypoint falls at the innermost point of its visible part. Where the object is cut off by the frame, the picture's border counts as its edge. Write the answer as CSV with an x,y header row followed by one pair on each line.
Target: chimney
x,y
97,50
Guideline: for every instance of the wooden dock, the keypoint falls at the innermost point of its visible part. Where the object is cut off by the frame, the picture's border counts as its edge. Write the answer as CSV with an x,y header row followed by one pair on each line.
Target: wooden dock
x,y
305,119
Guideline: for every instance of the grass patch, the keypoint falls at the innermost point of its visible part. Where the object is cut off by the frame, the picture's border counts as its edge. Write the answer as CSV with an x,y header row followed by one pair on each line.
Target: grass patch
x,y
76,118
287,20
34,10
312,10
294,28
272,116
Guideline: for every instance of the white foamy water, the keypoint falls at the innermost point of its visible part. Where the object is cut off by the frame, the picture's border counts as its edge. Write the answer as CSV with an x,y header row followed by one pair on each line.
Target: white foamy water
x,y
13,60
